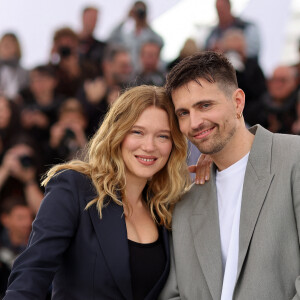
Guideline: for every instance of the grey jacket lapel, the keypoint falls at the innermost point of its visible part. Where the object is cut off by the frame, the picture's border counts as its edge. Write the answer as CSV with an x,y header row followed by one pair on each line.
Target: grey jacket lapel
x,y
206,234
258,178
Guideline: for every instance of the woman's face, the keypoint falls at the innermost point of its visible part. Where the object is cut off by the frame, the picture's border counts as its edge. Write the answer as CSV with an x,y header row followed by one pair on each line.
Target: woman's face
x,y
147,146
5,113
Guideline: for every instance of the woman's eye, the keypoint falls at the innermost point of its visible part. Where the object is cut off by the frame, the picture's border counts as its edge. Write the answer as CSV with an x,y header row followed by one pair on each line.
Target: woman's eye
x,y
136,132
163,136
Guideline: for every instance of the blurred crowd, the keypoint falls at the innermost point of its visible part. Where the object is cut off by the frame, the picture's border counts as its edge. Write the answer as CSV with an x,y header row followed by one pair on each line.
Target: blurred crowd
x,y
48,113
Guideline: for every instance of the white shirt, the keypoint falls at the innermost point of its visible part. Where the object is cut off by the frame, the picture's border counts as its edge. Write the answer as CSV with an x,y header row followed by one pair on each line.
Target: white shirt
x,y
229,192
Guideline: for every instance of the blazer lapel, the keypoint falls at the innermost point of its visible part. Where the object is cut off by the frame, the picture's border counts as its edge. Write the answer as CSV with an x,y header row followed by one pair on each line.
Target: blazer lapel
x,y
112,235
258,178
206,233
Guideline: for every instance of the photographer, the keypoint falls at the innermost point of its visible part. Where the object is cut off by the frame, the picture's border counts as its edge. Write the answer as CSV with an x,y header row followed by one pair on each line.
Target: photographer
x,y
39,103
135,31
70,71
67,135
19,173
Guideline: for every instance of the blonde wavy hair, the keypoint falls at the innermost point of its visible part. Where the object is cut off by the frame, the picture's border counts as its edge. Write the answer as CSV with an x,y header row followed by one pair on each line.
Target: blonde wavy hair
x,y
104,164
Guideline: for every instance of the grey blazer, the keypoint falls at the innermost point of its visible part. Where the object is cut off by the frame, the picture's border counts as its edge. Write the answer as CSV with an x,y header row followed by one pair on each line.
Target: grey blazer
x,y
269,254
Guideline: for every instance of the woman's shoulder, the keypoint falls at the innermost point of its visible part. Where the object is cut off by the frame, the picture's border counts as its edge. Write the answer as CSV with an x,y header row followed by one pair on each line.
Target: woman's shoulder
x,y
69,174
69,183
73,178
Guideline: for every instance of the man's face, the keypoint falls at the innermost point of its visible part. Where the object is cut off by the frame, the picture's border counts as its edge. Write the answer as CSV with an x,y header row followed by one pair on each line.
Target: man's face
x,y
150,57
282,83
41,83
18,221
205,115
121,68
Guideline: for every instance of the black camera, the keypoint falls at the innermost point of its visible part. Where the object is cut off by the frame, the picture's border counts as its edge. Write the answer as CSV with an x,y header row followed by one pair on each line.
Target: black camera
x,y
26,161
140,13
64,51
69,134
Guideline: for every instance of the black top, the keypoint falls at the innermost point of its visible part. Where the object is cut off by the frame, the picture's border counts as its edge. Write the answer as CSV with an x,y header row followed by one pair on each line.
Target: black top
x,y
147,263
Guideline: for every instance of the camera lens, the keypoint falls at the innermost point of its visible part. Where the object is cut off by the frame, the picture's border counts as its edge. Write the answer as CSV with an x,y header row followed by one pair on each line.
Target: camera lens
x,y
69,133
141,13
64,51
26,161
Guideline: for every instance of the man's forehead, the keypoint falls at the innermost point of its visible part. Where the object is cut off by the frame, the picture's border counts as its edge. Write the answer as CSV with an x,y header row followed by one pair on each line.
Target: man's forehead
x,y
196,83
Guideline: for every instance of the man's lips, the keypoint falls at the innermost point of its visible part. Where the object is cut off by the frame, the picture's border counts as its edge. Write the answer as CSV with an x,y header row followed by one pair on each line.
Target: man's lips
x,y
203,133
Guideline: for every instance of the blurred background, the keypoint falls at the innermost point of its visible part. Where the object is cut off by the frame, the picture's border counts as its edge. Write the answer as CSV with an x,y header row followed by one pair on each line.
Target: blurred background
x,y
34,22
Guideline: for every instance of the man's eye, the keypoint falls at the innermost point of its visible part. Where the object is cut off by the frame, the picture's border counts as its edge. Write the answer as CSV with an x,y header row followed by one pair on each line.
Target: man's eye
x,y
206,105
182,114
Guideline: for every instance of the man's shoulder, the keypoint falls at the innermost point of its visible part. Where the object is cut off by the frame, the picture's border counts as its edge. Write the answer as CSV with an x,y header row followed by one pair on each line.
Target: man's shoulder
x,y
189,199
283,138
287,144
280,145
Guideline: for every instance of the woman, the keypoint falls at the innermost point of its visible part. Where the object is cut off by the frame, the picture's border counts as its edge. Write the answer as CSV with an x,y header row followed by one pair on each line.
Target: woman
x,y
101,230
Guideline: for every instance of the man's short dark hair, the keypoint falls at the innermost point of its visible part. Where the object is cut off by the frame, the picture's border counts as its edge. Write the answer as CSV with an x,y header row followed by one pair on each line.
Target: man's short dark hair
x,y
113,50
208,65
87,8
45,70
10,203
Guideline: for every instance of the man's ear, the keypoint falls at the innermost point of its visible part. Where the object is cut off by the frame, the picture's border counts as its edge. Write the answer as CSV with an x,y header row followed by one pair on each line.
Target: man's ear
x,y
239,99
4,218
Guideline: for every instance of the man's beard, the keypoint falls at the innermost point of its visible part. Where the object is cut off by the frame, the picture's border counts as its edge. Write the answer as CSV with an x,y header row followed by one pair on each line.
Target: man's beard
x,y
214,143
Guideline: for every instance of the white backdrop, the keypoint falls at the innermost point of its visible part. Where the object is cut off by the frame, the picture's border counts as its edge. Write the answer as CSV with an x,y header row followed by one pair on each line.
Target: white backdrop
x,y
34,21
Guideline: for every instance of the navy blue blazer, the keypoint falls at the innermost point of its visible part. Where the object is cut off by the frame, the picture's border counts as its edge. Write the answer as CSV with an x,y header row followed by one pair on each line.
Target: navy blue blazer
x,y
86,257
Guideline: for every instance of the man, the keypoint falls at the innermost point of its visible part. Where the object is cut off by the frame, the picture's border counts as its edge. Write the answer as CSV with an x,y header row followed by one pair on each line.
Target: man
x,y
151,72
71,72
135,31
100,93
90,49
228,21
276,108
16,218
235,237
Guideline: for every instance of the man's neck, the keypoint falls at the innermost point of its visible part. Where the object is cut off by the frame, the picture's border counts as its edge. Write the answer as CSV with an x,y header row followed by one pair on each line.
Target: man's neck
x,y
235,150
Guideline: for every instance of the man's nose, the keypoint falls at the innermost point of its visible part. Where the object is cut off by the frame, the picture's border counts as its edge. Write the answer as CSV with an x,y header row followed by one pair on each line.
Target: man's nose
x,y
196,119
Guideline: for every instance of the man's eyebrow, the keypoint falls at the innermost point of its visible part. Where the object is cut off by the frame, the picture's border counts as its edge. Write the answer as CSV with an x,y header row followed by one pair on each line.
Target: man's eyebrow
x,y
194,105
178,110
204,101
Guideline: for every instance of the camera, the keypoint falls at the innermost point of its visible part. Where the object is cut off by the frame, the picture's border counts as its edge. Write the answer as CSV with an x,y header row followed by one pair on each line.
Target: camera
x,y
26,161
69,134
64,51
140,13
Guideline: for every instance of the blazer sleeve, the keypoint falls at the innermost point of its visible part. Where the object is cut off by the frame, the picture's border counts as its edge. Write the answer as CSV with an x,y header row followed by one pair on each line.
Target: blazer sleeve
x,y
52,230
296,201
170,290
